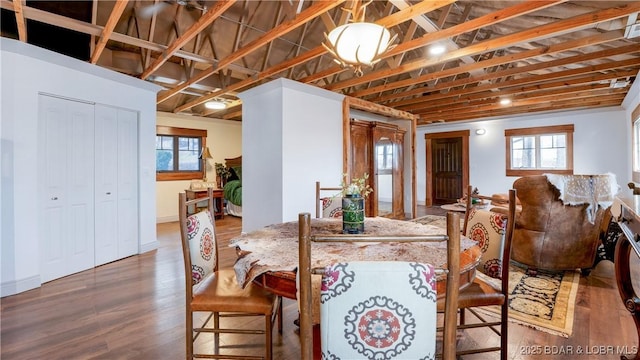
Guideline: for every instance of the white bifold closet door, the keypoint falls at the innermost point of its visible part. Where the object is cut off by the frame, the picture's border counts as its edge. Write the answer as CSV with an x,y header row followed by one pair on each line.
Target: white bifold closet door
x,y
66,150
116,179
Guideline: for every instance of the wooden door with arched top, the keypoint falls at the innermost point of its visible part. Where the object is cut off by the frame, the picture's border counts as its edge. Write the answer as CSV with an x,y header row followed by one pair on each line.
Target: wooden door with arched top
x,y
447,164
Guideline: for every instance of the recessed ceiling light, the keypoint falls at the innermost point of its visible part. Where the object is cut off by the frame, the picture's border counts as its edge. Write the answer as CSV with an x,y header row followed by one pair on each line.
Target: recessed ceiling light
x,y
215,105
437,50
505,101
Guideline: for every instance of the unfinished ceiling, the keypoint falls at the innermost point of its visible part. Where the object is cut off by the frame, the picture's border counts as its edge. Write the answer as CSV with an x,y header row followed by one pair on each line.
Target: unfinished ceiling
x,y
539,55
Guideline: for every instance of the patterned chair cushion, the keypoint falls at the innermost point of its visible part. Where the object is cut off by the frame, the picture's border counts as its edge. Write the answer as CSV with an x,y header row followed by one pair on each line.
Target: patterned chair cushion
x,y
378,310
202,245
488,229
331,207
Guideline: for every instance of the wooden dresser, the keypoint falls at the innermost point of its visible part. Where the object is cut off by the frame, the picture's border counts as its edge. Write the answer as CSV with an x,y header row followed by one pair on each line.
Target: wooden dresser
x,y
628,245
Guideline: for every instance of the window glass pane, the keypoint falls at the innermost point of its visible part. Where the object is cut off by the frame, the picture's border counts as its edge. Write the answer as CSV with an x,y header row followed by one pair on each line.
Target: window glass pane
x,y
553,158
523,159
546,141
517,143
560,141
164,153
188,154
529,142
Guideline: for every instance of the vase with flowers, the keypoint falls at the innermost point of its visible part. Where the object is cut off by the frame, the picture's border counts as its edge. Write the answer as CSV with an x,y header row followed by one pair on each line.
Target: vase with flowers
x,y
354,193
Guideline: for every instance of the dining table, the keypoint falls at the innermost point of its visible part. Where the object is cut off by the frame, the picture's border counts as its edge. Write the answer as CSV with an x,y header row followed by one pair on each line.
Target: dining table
x,y
268,256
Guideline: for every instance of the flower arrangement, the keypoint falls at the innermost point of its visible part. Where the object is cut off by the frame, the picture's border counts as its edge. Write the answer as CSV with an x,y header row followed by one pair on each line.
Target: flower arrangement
x,y
357,186
222,171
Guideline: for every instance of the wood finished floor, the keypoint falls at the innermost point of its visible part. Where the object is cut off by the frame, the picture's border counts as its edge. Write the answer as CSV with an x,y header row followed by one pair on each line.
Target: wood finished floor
x,y
133,309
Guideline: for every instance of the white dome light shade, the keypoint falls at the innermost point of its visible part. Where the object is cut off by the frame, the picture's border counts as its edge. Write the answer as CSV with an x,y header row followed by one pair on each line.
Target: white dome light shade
x,y
437,50
359,43
505,101
215,105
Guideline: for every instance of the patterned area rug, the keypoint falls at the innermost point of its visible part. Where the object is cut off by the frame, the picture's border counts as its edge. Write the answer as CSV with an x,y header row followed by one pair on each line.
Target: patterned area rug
x,y
545,302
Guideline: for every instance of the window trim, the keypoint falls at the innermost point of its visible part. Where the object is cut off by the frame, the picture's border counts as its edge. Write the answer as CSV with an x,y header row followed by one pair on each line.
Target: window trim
x,y
558,129
635,173
181,175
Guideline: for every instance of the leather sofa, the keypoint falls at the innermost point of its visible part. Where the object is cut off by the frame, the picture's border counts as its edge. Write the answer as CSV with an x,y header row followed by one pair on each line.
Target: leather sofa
x,y
550,235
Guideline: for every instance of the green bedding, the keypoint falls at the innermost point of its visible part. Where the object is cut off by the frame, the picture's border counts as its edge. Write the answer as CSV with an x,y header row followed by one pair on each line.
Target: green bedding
x,y
233,192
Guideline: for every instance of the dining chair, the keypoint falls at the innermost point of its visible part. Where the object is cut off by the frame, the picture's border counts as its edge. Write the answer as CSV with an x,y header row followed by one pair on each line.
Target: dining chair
x,y
215,291
328,206
494,233
378,309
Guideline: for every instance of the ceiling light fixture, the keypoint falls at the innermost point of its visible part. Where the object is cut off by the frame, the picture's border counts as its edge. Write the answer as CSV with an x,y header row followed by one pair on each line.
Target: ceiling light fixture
x,y
358,43
505,102
437,50
481,131
215,105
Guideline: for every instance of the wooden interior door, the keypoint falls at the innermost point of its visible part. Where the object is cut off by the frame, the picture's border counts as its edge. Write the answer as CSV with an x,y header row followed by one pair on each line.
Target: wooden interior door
x,y
447,166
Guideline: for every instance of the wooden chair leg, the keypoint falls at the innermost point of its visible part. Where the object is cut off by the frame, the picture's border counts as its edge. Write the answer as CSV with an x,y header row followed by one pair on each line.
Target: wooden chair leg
x,y
189,335
268,338
280,315
504,330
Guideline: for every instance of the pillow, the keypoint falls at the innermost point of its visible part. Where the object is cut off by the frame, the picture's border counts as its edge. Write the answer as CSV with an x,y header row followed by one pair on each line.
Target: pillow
x,y
238,171
232,175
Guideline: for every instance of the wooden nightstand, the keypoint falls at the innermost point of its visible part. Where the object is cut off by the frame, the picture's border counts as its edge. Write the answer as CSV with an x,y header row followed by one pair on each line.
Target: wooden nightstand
x,y
218,200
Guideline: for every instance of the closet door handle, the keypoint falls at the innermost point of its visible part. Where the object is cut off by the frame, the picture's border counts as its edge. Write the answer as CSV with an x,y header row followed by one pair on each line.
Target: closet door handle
x,y
54,198
109,193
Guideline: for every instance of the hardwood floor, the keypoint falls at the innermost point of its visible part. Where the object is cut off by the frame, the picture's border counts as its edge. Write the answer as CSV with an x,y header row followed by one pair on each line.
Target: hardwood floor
x,y
133,309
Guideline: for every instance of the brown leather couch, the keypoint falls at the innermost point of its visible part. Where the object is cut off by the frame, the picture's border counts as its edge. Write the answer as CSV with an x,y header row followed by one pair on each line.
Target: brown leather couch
x,y
549,235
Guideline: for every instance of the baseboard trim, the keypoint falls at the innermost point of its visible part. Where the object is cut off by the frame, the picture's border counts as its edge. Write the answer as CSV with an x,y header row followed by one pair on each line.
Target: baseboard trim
x,y
18,286
148,247
166,219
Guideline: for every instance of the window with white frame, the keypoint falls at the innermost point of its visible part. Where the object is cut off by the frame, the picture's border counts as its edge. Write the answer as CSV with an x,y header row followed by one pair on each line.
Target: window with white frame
x,y
534,151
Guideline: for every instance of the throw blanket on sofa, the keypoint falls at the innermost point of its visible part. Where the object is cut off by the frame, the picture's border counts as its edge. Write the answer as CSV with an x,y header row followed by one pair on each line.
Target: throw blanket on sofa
x,y
233,192
586,189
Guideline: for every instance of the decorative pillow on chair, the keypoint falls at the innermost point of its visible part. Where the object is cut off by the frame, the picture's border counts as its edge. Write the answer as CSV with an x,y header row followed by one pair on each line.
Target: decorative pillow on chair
x,y
332,207
378,310
202,245
488,229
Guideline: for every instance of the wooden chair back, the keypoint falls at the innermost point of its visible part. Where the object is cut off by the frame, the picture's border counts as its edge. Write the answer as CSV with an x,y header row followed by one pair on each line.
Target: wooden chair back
x,y
321,191
452,238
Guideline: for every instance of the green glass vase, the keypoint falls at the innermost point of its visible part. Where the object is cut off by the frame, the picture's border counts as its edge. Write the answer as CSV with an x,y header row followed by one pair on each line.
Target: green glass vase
x,y
352,214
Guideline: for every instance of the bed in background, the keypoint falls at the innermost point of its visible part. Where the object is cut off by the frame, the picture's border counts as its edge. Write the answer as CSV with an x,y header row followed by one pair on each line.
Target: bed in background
x,y
233,187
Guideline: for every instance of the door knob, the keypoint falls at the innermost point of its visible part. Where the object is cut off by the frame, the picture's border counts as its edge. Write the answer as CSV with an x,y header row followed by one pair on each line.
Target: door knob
x,y
54,198
108,193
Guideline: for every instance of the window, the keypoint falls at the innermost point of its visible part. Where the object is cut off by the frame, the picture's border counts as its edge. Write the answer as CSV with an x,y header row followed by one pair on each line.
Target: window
x,y
534,151
178,153
635,138
384,150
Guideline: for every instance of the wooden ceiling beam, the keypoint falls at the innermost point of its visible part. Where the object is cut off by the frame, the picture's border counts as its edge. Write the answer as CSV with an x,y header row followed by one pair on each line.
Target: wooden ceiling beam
x,y
515,71
95,30
20,20
311,54
118,9
391,20
552,80
495,61
305,16
559,106
524,36
205,20
494,104
519,93
486,20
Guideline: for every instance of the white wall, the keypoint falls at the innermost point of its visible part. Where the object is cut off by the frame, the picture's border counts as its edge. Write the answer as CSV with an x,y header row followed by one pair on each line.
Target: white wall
x,y
292,136
27,71
599,145
224,139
